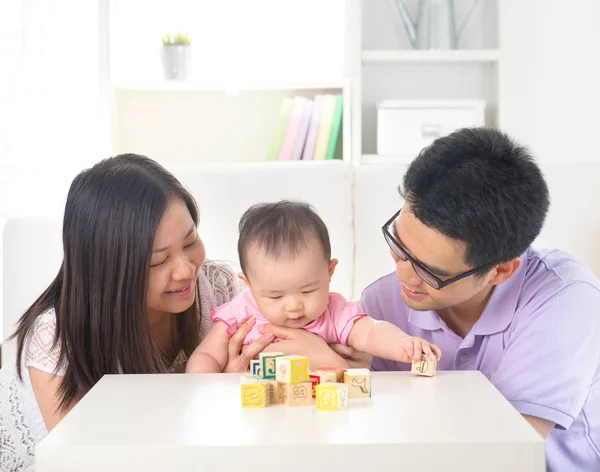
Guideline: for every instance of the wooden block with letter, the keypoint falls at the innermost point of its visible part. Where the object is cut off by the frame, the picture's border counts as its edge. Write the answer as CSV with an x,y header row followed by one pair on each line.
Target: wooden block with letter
x,y
273,391
338,371
268,364
255,367
332,396
295,394
359,382
425,366
254,395
292,369
319,377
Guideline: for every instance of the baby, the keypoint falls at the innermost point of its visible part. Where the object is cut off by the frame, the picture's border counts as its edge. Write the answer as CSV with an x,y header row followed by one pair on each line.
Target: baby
x,y
285,256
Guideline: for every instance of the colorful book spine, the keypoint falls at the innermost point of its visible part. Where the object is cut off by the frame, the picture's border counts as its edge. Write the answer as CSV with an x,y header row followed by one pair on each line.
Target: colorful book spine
x,y
284,115
313,129
324,127
302,131
336,123
293,125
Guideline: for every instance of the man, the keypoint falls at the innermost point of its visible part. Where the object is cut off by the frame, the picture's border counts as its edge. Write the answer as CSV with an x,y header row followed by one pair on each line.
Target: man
x,y
467,280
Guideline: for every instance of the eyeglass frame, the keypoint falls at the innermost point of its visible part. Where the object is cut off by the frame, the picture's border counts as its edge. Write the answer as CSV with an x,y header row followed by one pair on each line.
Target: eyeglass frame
x,y
441,283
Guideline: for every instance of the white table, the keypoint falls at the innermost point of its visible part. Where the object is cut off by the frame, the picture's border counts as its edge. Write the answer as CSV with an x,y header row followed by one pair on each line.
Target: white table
x,y
455,421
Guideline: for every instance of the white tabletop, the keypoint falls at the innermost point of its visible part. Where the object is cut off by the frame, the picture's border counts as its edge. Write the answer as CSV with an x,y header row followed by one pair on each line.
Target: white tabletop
x,y
455,421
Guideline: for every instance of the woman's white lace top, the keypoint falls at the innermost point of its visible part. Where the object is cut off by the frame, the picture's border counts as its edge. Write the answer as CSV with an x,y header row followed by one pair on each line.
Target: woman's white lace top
x,y
21,423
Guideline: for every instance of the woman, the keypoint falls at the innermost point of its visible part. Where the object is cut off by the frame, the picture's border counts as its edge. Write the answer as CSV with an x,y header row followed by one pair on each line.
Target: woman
x,y
133,295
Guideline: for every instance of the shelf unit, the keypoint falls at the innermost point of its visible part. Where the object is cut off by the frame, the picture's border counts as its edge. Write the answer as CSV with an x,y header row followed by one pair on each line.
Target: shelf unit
x,y
382,65
219,122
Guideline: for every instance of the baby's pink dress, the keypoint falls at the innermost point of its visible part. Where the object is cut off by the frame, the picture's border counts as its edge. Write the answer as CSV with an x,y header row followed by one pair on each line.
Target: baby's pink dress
x,y
333,326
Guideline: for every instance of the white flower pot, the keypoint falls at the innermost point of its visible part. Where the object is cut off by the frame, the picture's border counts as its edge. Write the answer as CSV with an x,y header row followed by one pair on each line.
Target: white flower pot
x,y
176,61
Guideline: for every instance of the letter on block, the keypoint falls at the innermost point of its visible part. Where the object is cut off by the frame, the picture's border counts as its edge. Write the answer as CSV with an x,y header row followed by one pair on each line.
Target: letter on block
x,y
338,371
254,395
255,367
332,396
292,369
424,366
359,382
318,377
268,364
296,394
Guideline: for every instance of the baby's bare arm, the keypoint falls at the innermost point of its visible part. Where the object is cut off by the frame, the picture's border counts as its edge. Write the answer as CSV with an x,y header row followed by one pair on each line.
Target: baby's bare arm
x,y
378,338
386,340
212,353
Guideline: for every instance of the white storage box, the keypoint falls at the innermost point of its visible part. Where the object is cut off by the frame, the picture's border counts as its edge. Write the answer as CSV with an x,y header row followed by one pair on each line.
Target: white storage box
x,y
405,127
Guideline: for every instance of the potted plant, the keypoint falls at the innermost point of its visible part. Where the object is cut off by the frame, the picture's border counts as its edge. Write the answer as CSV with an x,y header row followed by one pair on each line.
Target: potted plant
x,y
176,56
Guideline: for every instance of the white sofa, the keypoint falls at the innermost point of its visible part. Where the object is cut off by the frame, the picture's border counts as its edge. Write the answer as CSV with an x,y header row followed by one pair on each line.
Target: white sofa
x,y
353,201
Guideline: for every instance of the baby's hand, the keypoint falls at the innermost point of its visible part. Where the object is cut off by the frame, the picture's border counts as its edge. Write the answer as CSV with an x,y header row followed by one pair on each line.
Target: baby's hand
x,y
413,347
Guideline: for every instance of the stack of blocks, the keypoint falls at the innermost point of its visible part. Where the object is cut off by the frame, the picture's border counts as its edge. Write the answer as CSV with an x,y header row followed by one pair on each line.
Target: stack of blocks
x,y
277,378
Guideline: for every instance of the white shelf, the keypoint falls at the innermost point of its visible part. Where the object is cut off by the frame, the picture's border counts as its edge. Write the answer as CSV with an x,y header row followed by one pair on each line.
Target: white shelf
x,y
377,159
216,86
451,55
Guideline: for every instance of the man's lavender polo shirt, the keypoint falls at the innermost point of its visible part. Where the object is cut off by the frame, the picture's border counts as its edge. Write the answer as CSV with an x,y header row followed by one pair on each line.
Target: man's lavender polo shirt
x,y
537,341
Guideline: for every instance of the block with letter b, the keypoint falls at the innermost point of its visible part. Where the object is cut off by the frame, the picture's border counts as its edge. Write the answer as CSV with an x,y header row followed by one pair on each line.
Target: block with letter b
x,y
296,394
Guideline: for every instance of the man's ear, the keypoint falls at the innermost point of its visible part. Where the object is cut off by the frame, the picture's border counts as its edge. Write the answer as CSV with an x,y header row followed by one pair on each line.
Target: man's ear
x,y
505,271
332,265
243,278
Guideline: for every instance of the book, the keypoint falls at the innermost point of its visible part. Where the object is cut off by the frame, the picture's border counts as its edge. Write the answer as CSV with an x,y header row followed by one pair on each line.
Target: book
x,y
313,128
324,127
293,125
302,131
336,123
284,115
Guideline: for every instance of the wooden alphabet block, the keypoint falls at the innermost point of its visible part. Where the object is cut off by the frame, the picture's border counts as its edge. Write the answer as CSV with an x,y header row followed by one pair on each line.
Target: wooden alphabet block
x,y
332,396
255,367
254,395
296,394
359,382
273,394
424,366
318,377
292,369
338,371
268,364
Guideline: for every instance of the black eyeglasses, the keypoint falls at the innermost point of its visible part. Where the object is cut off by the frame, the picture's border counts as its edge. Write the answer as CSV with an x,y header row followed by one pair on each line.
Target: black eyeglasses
x,y
421,271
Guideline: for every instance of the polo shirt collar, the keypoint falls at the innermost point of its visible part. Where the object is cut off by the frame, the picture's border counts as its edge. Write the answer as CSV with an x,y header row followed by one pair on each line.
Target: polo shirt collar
x,y
497,314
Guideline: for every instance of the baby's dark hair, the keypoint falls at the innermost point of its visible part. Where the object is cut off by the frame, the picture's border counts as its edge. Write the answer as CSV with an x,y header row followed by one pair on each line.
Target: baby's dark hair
x,y
281,228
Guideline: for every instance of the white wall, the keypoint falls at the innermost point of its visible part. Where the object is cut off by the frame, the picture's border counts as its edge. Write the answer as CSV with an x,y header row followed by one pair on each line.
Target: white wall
x,y
233,40
550,77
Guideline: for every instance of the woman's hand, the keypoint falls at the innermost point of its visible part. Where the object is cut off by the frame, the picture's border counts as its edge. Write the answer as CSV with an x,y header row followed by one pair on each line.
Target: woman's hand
x,y
356,359
238,360
304,343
